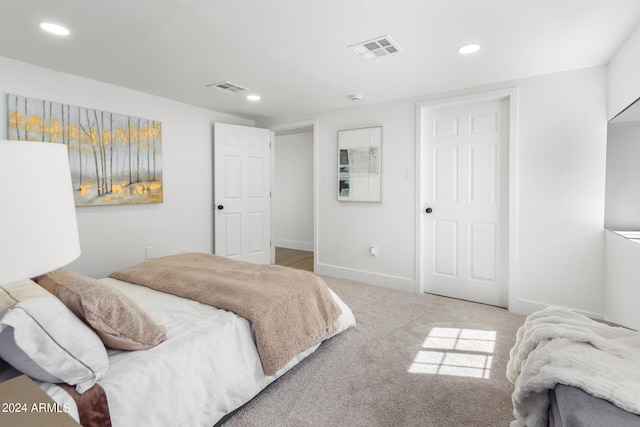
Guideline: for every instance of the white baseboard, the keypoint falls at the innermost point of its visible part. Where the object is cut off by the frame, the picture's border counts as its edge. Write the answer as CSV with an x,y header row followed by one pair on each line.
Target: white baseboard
x,y
391,282
526,307
292,244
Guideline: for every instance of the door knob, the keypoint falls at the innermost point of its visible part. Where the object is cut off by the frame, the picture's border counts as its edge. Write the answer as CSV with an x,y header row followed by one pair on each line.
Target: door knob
x,y
428,210
220,207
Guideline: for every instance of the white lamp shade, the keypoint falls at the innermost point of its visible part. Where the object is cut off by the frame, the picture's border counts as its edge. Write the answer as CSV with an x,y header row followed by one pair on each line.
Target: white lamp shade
x,y
39,232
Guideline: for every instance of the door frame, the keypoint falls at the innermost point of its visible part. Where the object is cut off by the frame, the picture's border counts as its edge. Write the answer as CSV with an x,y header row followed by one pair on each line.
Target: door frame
x,y
510,95
314,149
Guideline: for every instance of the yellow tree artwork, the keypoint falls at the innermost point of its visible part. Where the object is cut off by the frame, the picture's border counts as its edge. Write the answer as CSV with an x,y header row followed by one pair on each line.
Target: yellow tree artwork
x,y
115,159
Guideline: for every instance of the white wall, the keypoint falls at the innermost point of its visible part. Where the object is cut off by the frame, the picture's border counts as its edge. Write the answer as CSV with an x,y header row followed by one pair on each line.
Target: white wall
x,y
113,237
560,186
560,193
292,198
622,258
622,291
346,230
624,69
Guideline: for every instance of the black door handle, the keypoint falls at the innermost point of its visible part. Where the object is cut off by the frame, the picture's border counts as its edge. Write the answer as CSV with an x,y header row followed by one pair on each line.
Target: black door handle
x,y
428,210
220,207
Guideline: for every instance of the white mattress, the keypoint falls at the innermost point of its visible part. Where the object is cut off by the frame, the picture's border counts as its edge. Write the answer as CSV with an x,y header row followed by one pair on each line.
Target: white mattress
x,y
207,367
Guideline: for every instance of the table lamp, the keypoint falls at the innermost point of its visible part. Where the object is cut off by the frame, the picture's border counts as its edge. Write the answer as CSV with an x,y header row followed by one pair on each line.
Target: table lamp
x,y
38,228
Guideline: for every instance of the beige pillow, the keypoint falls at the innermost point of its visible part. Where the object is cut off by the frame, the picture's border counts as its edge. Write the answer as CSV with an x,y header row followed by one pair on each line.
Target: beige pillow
x,y
117,319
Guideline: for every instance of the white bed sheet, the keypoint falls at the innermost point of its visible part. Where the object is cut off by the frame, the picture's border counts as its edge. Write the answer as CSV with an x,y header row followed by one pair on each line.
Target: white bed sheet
x,y
207,367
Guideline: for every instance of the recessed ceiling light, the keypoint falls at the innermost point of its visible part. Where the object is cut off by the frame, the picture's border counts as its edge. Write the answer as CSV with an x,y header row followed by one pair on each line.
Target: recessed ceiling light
x,y
253,97
469,48
55,28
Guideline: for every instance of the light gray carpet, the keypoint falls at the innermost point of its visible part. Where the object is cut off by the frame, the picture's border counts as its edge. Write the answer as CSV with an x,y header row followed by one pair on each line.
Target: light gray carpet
x,y
361,377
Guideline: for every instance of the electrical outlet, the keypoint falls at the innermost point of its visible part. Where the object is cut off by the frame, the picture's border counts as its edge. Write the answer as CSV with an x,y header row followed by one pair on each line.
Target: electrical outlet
x,y
149,252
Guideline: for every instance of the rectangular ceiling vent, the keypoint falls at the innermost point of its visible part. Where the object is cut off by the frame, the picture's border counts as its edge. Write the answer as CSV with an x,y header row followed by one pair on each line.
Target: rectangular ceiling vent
x,y
375,48
227,86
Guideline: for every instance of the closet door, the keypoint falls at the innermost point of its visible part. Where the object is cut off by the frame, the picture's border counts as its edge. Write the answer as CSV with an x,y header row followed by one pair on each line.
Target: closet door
x,y
242,192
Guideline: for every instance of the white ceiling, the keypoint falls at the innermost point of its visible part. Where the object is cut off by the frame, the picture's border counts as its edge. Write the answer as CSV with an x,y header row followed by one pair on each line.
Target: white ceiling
x,y
294,53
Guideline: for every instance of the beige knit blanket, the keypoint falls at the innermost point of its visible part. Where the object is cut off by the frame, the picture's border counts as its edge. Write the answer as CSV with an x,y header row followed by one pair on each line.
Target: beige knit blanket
x,y
290,310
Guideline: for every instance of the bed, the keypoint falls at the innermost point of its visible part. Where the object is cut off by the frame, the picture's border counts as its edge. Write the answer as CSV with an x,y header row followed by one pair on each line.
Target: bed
x,y
205,365
573,407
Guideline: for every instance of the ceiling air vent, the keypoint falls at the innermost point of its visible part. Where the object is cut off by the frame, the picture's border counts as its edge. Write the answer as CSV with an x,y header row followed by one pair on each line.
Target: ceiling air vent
x,y
374,48
227,86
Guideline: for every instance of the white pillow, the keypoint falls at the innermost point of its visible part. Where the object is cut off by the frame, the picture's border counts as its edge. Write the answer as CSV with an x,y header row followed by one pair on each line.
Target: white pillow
x,y
40,337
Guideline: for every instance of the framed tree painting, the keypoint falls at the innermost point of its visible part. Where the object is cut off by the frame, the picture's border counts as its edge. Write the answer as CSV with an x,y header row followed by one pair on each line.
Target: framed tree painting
x,y
115,159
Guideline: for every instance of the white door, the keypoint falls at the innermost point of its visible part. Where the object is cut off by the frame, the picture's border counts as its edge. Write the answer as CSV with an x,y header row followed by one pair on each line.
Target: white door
x,y
242,192
465,193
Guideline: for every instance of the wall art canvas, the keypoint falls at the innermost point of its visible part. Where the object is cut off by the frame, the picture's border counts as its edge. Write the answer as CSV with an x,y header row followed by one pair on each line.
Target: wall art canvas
x,y
115,159
360,165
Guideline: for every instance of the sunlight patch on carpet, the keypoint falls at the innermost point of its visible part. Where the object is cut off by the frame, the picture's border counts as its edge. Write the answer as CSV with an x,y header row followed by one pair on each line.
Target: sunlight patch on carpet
x,y
457,352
